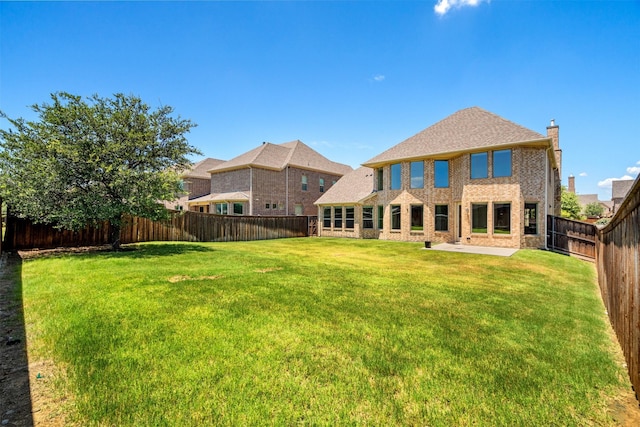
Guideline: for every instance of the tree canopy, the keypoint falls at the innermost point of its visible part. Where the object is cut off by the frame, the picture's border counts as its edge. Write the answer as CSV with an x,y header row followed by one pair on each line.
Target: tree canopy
x,y
86,161
594,209
570,205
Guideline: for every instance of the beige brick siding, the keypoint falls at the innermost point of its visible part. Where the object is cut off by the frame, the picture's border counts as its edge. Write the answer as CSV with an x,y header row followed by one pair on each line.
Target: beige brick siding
x,y
525,185
197,187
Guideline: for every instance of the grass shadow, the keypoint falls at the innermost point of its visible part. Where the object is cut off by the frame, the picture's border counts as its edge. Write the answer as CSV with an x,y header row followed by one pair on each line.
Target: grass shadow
x,y
15,399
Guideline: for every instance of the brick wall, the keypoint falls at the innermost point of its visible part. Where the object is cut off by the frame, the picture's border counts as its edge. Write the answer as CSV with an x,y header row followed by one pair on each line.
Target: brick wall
x,y
197,187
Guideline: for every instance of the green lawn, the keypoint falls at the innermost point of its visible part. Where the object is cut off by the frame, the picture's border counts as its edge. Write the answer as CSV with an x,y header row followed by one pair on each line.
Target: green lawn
x,y
321,332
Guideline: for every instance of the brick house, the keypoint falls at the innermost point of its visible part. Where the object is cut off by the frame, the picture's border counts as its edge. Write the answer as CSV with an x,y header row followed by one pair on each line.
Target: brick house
x,y
196,183
271,179
473,178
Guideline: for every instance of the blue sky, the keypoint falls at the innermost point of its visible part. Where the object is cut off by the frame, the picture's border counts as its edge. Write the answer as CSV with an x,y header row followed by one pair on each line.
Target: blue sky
x,y
348,78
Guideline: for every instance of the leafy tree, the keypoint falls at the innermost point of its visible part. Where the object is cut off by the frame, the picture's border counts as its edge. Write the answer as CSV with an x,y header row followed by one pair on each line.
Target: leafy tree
x,y
88,161
593,209
570,205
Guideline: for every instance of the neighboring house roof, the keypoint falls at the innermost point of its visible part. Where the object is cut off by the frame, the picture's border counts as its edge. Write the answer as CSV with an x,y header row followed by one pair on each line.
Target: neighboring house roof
x,y
200,169
466,130
354,187
238,196
279,156
620,188
585,199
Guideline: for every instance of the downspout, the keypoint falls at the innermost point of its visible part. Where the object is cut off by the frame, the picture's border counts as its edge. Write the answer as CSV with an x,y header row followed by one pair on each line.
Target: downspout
x,y
250,190
286,192
546,198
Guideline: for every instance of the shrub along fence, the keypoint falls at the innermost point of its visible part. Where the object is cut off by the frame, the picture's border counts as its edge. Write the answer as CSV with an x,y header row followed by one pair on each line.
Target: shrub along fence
x,y
618,263
182,226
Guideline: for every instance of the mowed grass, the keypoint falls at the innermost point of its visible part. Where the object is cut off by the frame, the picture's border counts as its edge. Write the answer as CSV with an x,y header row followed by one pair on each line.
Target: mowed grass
x,y
322,332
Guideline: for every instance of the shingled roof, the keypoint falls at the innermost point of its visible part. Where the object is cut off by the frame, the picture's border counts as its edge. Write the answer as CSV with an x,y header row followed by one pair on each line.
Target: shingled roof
x,y
279,156
620,188
201,169
354,187
466,130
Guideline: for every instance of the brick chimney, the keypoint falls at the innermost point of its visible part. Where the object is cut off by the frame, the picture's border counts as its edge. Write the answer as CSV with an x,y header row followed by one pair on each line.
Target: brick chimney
x,y
572,184
553,132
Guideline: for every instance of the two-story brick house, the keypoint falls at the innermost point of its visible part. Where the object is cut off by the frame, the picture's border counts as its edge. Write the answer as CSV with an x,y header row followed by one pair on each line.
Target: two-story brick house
x,y
196,182
474,178
271,179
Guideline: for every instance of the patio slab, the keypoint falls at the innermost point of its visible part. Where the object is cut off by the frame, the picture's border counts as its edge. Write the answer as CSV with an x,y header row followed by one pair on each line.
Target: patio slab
x,y
468,249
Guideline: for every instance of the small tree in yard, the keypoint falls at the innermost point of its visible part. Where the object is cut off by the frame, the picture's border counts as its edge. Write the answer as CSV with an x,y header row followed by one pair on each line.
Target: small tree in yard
x,y
593,209
88,161
570,204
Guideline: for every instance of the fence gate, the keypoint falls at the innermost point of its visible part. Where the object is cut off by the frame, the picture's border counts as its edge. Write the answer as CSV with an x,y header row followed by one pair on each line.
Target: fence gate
x,y
313,226
571,237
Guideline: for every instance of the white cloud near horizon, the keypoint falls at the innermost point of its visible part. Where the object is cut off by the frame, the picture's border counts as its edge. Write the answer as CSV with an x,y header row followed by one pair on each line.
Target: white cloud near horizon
x,y
582,174
378,78
606,183
443,6
633,170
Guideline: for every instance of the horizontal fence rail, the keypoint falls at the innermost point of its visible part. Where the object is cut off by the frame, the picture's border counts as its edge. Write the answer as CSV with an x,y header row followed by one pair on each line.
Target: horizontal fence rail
x,y
618,264
571,237
183,226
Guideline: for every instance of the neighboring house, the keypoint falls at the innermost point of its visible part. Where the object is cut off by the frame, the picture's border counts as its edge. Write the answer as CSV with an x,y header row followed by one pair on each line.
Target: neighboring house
x,y
474,178
271,179
196,182
587,199
619,190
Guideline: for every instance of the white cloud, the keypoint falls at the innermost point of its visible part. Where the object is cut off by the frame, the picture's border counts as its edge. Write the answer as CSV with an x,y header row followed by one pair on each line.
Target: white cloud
x,y
443,6
378,78
607,182
583,174
633,170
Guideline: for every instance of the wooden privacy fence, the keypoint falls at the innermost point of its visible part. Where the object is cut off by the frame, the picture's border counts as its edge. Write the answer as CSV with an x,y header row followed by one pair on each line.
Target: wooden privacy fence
x,y
571,237
185,226
618,263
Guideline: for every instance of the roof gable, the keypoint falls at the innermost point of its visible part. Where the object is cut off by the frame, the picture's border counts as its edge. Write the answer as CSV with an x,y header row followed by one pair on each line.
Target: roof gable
x,y
354,187
620,188
201,169
279,156
466,130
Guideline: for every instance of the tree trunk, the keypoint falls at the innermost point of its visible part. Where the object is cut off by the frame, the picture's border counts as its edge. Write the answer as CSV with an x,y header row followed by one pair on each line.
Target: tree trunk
x,y
115,235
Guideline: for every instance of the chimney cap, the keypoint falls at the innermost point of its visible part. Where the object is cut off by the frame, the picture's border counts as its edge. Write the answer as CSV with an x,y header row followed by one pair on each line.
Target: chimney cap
x,y
553,122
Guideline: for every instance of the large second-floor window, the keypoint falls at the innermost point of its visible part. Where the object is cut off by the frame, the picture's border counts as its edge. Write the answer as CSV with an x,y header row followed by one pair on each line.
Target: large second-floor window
x,y
396,176
441,174
501,163
417,174
479,167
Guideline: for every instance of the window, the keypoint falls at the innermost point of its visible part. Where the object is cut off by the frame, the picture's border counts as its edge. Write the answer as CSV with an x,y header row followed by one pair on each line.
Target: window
x,y
530,218
380,179
502,218
395,217
201,209
501,163
380,217
478,218
274,206
322,185
326,217
349,216
238,208
417,174
221,208
304,183
441,173
479,165
267,205
442,217
367,217
396,176
281,206
298,209
337,217
417,217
